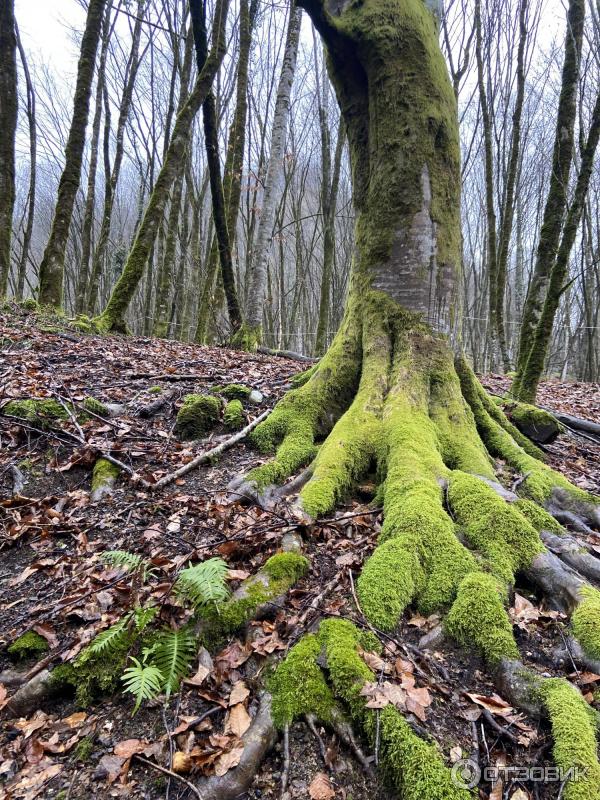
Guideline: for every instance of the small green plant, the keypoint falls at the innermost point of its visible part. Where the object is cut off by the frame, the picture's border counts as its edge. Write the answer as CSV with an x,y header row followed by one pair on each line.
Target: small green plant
x,y
144,681
203,583
129,562
166,654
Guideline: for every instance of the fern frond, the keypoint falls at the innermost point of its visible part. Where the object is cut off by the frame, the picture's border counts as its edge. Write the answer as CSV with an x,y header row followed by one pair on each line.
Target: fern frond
x,y
144,616
203,583
172,653
143,681
112,639
122,558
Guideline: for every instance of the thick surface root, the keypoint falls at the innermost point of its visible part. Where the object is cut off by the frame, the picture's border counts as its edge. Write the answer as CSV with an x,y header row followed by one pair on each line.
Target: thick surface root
x,y
453,540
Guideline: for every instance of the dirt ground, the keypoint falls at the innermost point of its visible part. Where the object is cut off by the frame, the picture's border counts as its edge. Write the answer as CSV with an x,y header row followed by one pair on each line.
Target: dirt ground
x,y
52,581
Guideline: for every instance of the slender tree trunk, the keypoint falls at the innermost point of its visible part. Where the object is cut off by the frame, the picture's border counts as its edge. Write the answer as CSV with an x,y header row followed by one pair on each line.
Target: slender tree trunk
x,y
31,120
211,140
508,207
90,200
113,317
556,201
232,177
534,367
112,175
249,336
8,128
53,262
163,288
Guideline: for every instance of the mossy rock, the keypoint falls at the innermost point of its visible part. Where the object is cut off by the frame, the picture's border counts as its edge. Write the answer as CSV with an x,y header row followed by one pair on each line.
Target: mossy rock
x,y
538,425
30,304
29,645
234,391
155,389
233,416
40,413
96,407
198,415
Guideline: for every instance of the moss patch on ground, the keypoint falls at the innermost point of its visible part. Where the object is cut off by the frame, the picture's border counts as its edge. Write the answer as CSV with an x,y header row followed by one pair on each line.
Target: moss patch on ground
x,y
104,473
39,412
197,416
29,645
233,416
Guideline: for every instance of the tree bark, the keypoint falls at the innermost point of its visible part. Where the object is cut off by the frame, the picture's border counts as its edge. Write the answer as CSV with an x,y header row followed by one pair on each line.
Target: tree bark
x,y
232,176
31,120
53,263
556,201
249,335
112,176
8,126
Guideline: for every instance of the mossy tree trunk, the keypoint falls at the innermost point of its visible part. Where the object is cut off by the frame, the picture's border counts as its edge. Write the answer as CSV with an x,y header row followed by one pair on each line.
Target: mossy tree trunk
x,y
53,262
532,371
112,174
556,201
232,174
113,316
392,399
8,124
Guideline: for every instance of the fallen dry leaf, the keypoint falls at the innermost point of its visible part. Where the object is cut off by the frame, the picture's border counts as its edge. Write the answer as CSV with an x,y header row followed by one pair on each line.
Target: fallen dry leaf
x,y
321,788
238,720
227,761
239,693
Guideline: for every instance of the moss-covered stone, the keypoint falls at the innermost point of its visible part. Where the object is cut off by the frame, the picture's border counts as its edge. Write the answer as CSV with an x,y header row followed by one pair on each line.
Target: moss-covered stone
x,y
574,730
233,416
198,415
298,685
155,389
96,407
586,622
91,676
234,391
104,474
535,423
29,645
478,618
39,412
84,749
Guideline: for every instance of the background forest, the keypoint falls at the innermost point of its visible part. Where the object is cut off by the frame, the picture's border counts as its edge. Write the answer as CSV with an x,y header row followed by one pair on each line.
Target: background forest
x,y
283,157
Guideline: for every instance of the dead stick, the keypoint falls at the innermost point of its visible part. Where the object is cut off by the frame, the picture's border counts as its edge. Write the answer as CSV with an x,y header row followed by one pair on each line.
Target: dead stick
x,y
207,455
168,772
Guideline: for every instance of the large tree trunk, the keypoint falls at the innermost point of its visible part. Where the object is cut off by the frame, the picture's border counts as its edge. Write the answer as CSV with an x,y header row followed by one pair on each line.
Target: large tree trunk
x,y
53,262
391,399
8,126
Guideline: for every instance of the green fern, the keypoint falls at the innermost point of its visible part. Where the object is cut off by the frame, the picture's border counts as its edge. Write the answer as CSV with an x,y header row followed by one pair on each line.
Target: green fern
x,y
142,617
203,583
129,562
145,681
112,639
171,653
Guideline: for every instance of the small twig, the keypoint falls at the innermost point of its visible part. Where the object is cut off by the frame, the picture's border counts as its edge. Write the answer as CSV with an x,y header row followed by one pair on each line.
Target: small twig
x,y
500,729
310,721
168,772
519,481
286,760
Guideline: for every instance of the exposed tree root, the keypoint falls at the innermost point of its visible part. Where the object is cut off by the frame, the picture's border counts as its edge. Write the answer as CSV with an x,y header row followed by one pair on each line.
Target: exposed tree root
x,y
453,539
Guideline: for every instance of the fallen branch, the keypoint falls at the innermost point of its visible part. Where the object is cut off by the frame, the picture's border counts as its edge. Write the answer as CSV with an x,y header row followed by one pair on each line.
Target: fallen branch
x,y
207,455
267,351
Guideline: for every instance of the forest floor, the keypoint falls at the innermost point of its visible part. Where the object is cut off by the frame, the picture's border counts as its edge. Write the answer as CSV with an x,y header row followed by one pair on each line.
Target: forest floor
x,y
53,581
